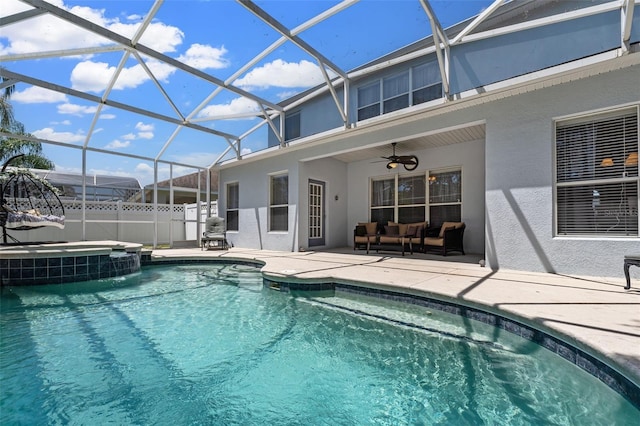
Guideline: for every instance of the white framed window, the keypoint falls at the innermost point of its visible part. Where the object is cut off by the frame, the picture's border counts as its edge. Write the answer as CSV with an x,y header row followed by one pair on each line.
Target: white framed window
x,y
408,198
596,174
369,101
383,199
419,84
232,207
445,197
426,83
395,92
411,198
279,202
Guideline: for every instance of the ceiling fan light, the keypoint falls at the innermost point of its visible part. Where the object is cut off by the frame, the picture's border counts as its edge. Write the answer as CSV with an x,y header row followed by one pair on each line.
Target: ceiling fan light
x,y
392,165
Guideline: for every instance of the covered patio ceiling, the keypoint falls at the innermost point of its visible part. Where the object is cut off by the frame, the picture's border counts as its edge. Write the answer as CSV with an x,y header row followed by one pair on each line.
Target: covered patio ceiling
x,y
410,146
229,133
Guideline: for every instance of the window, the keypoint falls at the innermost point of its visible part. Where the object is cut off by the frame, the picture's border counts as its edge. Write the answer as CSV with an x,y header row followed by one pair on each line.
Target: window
x,y
427,83
279,203
395,92
597,175
292,126
233,198
420,84
411,199
445,197
404,198
369,101
383,200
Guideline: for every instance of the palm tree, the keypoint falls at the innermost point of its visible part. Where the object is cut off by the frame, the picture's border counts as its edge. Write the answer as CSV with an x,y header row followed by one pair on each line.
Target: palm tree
x,y
11,146
33,157
6,110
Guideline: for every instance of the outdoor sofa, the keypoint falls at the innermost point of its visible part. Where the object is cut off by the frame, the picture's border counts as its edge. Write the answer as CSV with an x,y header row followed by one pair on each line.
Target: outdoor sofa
x,y
393,236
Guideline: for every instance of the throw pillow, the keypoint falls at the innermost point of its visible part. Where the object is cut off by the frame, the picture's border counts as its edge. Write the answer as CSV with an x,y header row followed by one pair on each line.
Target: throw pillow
x,y
370,227
391,230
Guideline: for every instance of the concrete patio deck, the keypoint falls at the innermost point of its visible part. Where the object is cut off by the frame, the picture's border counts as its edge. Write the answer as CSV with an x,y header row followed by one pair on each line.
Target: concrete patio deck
x,y
593,314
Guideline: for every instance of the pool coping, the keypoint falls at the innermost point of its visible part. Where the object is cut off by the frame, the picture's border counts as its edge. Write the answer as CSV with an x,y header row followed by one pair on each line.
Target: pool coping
x,y
595,316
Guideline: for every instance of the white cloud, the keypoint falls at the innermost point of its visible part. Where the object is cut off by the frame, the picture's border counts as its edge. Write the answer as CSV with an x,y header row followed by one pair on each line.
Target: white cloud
x,y
77,110
107,116
145,135
287,94
158,36
245,151
145,131
116,144
45,32
143,168
205,57
282,74
144,127
38,95
68,137
93,76
62,123
236,106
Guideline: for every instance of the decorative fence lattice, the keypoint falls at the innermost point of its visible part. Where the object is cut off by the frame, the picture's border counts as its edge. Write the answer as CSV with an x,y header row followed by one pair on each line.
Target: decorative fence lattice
x,y
115,207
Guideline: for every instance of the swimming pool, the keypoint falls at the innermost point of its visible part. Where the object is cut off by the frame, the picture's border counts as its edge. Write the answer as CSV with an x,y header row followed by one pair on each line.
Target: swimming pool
x,y
209,344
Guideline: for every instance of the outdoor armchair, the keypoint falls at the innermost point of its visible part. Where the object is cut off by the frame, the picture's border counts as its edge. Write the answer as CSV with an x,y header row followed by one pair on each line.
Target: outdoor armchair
x,y
215,234
449,238
364,234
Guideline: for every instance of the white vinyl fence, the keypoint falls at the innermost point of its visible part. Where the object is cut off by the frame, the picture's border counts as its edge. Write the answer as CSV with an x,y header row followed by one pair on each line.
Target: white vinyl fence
x,y
129,222
191,216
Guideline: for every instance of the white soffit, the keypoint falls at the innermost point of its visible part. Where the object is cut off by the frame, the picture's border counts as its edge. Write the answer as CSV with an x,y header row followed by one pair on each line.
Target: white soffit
x,y
417,143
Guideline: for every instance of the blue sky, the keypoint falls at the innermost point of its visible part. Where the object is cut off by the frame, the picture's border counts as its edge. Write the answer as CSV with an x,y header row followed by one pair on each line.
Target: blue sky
x,y
218,37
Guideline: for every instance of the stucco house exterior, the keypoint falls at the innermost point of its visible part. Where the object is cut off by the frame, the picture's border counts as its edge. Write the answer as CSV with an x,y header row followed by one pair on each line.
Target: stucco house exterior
x,y
525,123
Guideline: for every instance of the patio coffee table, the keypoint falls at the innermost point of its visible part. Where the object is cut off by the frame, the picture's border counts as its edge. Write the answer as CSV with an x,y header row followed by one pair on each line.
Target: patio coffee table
x,y
383,246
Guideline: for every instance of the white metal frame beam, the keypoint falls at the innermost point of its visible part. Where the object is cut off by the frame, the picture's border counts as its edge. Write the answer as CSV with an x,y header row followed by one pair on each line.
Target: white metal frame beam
x,y
626,17
441,43
323,62
21,16
479,19
97,100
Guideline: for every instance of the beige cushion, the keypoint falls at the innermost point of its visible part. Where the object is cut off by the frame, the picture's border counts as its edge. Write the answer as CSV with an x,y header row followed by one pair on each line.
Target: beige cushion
x,y
446,225
370,226
429,241
365,239
390,239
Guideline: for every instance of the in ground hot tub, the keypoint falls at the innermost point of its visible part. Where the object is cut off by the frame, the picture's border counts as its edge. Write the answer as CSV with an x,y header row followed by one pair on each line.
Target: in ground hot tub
x,y
58,263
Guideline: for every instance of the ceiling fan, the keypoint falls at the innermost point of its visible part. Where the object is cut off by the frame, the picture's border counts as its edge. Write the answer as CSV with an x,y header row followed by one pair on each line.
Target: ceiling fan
x,y
410,162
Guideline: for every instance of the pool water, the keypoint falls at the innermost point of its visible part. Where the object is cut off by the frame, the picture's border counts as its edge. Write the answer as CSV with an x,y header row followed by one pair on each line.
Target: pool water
x,y
208,344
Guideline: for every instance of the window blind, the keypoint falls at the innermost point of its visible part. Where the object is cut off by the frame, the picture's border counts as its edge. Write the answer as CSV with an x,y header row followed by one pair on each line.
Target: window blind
x,y
597,175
